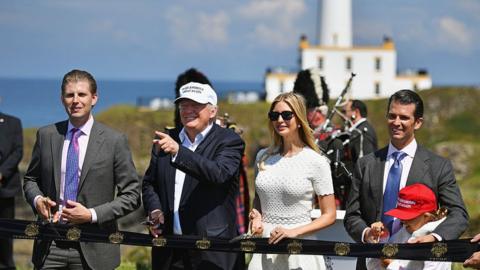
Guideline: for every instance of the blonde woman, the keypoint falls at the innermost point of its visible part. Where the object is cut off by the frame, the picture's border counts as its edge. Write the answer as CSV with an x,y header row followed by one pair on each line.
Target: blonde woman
x,y
289,174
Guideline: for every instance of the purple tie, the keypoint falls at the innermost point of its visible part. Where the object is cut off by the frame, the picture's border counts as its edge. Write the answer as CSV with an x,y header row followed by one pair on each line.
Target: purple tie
x,y
71,175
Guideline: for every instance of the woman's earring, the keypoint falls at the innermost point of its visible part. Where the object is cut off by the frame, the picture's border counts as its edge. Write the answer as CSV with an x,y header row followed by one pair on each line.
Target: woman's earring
x,y
299,126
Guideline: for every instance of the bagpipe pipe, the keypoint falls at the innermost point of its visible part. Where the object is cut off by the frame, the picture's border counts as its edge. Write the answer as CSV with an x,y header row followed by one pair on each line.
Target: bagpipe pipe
x,y
453,250
226,122
334,142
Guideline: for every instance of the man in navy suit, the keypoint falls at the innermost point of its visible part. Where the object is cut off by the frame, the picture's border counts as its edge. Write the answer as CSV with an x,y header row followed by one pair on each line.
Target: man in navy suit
x,y
11,152
366,198
190,185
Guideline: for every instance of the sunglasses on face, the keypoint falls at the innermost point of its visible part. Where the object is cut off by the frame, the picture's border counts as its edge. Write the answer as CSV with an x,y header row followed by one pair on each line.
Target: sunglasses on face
x,y
286,115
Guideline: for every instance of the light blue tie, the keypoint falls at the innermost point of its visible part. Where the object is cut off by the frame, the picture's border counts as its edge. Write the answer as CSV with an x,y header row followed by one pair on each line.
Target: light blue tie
x,y
71,174
391,189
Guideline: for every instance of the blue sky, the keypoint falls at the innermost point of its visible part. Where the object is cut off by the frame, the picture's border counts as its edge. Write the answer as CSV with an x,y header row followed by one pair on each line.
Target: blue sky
x,y
226,39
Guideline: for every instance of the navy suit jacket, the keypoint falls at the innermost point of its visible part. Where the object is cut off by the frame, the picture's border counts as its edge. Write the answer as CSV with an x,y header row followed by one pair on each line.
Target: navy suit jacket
x,y
11,152
369,144
365,202
207,204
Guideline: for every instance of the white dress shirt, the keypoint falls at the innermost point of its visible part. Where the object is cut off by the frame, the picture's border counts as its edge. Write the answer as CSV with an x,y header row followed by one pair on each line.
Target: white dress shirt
x,y
82,144
180,175
406,162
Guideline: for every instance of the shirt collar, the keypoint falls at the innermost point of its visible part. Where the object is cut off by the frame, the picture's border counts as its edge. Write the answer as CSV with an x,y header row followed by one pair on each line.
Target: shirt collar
x,y
200,136
86,128
410,149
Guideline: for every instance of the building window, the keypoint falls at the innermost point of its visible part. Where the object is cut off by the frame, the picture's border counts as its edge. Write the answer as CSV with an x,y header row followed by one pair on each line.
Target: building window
x,y
348,63
378,64
320,62
377,88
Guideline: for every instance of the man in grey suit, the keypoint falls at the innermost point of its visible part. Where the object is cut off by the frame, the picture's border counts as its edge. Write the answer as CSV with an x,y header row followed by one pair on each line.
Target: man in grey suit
x,y
82,171
371,187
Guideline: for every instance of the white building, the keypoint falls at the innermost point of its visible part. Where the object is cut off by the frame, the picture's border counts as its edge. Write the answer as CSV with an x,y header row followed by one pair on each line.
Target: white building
x,y
337,58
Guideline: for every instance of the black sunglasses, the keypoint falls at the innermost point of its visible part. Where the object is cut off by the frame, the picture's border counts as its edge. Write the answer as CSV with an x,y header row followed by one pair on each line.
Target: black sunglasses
x,y
286,115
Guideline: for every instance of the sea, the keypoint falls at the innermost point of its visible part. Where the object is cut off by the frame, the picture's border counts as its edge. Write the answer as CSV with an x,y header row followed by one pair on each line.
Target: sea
x,y
37,101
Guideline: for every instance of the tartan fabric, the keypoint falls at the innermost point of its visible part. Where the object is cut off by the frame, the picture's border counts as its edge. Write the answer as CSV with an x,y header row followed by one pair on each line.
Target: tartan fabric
x,y
242,199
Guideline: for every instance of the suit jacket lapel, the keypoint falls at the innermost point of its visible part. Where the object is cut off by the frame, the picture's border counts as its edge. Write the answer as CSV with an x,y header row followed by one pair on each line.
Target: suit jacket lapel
x,y
57,147
189,185
94,143
419,166
171,171
376,179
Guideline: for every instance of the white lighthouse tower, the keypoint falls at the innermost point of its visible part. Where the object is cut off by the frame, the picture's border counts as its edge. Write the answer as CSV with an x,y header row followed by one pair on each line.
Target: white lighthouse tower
x,y
336,23
337,58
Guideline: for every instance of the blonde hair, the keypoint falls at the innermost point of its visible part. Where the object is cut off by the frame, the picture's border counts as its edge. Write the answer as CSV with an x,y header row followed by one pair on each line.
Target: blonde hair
x,y
296,102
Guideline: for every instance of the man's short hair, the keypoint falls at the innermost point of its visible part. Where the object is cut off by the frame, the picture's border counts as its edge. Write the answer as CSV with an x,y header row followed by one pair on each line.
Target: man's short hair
x,y
362,108
406,97
75,76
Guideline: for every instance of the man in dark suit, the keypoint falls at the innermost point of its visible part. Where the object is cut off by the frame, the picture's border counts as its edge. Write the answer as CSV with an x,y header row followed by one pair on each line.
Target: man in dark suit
x,y
83,172
373,181
11,152
190,185
363,138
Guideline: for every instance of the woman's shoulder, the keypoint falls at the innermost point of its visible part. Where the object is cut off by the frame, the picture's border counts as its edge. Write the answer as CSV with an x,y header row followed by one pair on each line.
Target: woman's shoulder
x,y
261,153
314,156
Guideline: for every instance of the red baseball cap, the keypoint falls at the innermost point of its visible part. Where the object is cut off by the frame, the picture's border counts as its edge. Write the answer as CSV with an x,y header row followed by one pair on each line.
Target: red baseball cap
x,y
413,200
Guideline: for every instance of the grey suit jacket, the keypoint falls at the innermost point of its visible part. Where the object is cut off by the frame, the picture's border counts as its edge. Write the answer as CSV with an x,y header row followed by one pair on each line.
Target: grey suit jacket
x,y
107,170
365,202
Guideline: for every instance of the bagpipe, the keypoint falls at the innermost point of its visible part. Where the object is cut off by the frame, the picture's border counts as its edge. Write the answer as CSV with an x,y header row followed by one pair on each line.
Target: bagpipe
x,y
453,250
334,142
226,122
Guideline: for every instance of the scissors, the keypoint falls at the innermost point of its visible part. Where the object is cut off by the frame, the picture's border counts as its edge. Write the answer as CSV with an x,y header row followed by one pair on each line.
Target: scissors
x,y
246,235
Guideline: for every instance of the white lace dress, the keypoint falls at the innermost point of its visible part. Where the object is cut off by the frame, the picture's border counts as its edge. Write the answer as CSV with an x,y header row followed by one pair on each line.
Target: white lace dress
x,y
286,188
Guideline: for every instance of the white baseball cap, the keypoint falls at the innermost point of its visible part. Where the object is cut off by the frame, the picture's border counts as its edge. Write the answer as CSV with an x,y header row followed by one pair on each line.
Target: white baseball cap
x,y
198,92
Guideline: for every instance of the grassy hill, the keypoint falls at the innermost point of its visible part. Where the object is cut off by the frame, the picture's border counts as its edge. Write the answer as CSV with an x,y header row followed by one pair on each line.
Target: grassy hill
x,y
451,128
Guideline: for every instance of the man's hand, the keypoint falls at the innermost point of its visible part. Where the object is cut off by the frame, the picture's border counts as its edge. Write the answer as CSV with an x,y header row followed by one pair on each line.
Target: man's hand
x,y
423,239
157,219
44,206
474,260
76,213
166,143
476,238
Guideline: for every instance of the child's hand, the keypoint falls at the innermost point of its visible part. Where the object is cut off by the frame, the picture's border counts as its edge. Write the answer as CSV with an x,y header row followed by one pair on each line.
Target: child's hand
x,y
386,262
377,231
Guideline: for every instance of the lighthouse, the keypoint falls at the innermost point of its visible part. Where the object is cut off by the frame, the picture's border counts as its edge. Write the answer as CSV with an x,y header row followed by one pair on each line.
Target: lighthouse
x,y
335,29
337,57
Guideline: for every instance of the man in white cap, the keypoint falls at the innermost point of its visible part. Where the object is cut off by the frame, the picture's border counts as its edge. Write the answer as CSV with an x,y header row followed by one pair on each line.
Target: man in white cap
x,y
190,185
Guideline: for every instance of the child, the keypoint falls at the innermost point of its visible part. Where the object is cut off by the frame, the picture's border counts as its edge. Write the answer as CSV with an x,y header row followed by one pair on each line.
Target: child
x,y
418,212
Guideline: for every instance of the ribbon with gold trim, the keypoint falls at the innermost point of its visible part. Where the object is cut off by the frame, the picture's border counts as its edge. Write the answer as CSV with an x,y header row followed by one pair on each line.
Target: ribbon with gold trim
x,y
454,250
